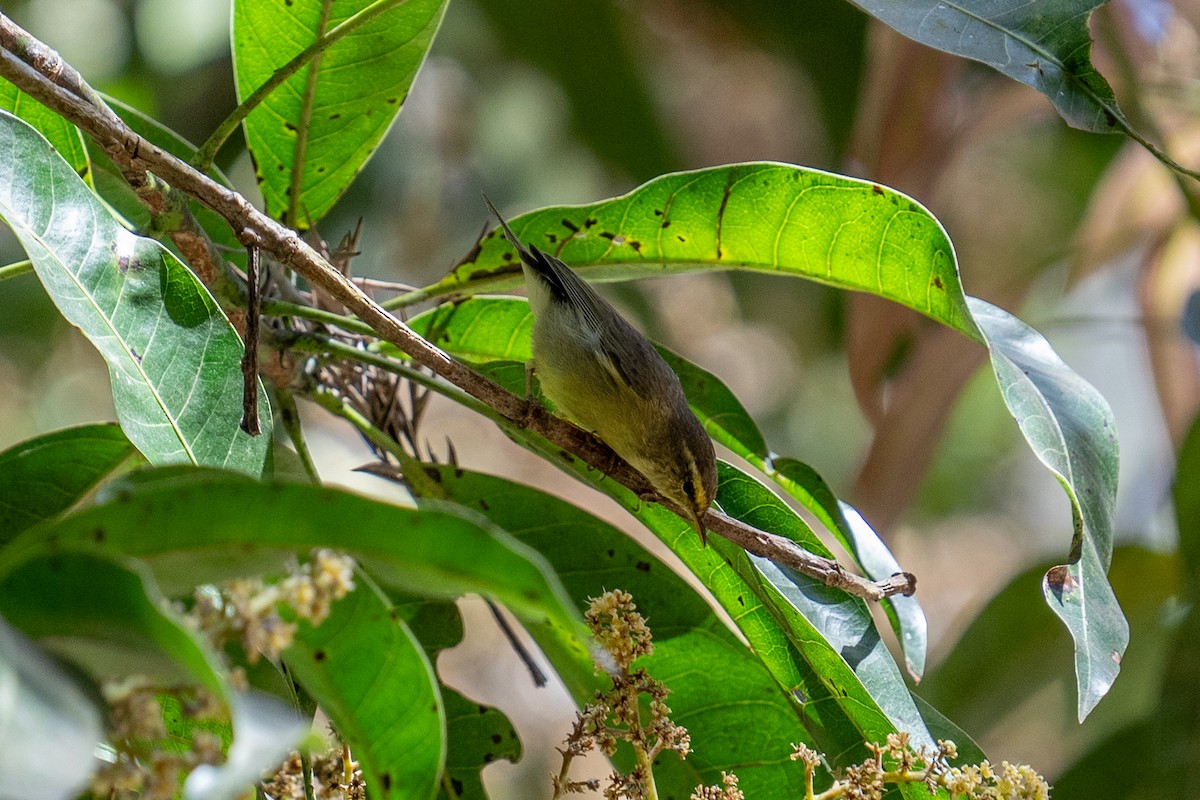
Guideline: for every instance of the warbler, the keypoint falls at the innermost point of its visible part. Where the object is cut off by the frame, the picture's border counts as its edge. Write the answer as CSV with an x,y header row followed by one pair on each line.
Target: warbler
x,y
606,377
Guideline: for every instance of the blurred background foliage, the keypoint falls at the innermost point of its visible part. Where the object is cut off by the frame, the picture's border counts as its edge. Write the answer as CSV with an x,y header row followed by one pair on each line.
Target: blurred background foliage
x,y
539,103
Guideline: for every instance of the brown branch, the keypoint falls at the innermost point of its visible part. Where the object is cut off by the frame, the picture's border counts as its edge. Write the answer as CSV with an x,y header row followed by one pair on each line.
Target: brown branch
x,y
62,90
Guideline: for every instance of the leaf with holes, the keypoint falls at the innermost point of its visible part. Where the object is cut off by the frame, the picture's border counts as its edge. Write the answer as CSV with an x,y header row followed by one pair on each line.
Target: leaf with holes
x,y
313,134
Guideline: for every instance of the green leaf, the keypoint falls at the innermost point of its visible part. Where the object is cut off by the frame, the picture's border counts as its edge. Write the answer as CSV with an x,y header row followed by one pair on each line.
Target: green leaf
x,y
744,721
1070,428
856,235
204,526
104,616
359,86
833,630
368,673
46,718
43,476
1044,45
481,329
765,217
173,357
64,137
478,735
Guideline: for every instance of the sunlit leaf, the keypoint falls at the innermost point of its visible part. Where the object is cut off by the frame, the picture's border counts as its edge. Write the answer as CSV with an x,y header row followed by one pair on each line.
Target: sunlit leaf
x,y
173,357
343,109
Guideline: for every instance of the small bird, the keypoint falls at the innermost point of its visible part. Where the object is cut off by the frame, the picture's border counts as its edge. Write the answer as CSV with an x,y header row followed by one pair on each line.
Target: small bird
x,y
605,376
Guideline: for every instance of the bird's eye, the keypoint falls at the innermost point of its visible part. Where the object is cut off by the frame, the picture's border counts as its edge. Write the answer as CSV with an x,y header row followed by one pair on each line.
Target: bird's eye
x,y
689,488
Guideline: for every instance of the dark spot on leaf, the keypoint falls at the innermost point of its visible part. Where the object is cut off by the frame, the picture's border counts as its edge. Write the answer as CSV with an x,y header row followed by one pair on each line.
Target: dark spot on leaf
x,y
99,535
136,355
319,655
1060,581
666,223
507,256
393,614
280,167
589,222
644,566
385,779
636,245
720,253
553,239
937,281
1109,119
320,169
741,600
335,116
289,126
607,235
571,226
434,475
680,238
393,100
484,505
489,758
658,212
612,553
458,786
877,189
459,472
483,709
565,456
497,738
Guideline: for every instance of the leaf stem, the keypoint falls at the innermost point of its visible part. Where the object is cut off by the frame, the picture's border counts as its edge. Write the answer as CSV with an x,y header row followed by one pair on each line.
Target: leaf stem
x,y
208,151
17,268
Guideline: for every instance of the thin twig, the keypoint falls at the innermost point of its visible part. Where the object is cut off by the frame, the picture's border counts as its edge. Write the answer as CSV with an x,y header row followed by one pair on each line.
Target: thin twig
x,y
130,150
250,423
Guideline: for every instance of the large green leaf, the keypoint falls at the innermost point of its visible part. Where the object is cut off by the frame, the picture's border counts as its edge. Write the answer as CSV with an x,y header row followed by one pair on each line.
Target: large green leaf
x,y
484,329
47,474
344,110
173,357
204,526
104,616
692,645
856,235
1070,428
368,673
1044,45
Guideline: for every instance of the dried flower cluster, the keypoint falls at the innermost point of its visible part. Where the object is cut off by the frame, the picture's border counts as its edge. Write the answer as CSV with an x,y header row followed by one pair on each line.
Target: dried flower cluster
x,y
618,714
898,762
145,760
728,790
335,776
248,610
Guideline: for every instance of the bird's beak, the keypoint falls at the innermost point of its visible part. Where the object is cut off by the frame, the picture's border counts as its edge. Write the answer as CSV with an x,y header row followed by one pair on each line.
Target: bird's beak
x,y
697,516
